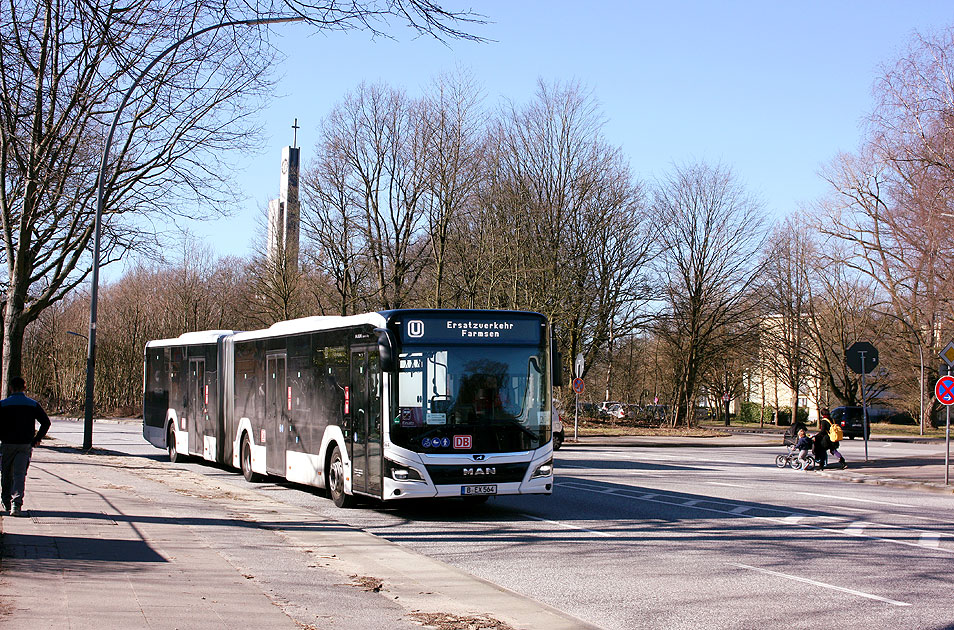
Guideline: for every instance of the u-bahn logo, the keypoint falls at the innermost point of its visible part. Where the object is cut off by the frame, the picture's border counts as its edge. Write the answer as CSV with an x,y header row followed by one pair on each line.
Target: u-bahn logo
x,y
415,329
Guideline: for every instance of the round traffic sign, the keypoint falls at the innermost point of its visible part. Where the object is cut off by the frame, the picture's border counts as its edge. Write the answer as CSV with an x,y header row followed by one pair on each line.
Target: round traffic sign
x,y
944,390
578,385
861,357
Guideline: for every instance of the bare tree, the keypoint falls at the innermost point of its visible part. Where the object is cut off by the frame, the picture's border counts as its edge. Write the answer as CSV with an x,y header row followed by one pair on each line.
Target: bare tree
x,y
374,177
56,372
840,312
725,379
711,233
275,291
785,293
571,230
64,67
893,200
453,134
330,221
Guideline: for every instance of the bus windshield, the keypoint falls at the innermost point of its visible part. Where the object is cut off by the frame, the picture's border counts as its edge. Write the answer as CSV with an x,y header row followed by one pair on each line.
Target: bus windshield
x,y
472,399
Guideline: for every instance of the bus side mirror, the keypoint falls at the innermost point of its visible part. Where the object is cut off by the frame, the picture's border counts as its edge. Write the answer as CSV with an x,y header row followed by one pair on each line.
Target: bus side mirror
x,y
385,349
556,366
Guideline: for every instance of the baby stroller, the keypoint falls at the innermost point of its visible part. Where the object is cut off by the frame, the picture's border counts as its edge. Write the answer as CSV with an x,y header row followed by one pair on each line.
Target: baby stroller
x,y
791,459
791,433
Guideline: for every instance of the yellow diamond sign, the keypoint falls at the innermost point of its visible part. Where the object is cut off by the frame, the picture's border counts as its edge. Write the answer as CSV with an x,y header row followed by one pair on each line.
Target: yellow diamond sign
x,y
947,354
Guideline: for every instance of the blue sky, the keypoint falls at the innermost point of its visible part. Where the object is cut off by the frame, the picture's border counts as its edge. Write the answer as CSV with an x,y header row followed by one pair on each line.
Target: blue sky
x,y
773,90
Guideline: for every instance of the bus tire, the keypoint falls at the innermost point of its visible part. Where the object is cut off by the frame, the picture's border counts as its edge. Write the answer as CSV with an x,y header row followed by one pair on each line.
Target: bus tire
x,y
175,456
245,459
336,480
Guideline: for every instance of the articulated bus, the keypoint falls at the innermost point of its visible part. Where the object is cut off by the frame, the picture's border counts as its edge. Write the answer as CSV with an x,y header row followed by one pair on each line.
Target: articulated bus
x,y
390,405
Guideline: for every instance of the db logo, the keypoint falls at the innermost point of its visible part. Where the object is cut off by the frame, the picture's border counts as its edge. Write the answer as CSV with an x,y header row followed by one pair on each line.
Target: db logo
x,y
462,441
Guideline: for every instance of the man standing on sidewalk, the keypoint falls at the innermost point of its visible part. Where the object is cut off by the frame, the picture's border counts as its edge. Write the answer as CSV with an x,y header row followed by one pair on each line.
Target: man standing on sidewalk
x,y
18,435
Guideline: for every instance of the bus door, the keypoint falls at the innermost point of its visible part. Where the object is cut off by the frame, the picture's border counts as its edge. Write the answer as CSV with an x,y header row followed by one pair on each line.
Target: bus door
x,y
365,410
198,411
276,413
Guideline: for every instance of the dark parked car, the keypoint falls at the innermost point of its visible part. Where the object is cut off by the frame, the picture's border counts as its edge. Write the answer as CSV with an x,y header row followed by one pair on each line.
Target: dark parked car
x,y
851,420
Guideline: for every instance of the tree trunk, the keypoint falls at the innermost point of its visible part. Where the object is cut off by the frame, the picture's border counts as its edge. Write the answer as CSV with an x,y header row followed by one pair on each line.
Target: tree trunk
x,y
13,329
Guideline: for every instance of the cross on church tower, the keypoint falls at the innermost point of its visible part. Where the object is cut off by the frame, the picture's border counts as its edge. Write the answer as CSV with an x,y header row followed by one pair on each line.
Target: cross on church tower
x,y
295,133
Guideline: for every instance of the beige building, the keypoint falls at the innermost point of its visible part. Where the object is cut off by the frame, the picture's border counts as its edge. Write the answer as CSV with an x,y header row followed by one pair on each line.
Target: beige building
x,y
764,387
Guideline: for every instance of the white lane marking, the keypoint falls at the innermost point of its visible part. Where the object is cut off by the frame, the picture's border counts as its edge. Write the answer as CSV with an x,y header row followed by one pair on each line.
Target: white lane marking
x,y
821,584
784,520
742,509
625,472
727,485
857,528
794,518
929,539
845,498
568,526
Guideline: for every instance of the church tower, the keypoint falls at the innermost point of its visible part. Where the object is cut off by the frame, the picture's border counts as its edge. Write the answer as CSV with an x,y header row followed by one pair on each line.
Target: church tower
x,y
284,212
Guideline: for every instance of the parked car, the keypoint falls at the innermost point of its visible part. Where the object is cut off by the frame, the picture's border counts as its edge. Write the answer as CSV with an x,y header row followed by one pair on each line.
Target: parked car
x,y
607,405
654,413
623,412
851,420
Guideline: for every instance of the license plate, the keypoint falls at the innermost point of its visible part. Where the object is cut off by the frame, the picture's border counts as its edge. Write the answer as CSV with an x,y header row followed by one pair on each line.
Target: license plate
x,y
472,490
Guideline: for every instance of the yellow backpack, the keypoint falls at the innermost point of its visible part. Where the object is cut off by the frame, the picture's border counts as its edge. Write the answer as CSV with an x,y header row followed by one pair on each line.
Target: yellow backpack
x,y
835,433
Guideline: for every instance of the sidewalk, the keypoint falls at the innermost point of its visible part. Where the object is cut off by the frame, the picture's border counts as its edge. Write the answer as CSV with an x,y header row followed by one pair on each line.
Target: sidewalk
x,y
114,541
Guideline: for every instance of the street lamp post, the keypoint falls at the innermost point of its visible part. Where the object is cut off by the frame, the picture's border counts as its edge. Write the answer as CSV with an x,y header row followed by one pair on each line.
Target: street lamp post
x,y
100,184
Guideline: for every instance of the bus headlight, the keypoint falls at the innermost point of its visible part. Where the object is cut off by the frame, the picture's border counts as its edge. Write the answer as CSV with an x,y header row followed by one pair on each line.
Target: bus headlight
x,y
400,472
543,470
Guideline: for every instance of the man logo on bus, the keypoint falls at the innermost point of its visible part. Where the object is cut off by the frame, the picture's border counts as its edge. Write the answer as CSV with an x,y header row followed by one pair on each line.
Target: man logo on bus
x,y
462,441
415,329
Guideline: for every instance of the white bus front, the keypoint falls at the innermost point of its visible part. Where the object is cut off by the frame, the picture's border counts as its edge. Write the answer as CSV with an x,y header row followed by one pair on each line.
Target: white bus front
x,y
471,408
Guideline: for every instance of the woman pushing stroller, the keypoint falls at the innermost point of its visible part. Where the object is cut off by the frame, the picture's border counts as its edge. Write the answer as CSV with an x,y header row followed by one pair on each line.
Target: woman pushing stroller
x,y
825,441
833,435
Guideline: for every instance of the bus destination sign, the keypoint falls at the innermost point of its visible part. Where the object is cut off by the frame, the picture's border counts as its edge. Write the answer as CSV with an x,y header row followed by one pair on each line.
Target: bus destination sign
x,y
468,330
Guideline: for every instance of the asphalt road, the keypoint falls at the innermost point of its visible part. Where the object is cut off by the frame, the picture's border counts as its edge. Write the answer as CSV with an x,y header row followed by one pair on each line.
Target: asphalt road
x,y
676,538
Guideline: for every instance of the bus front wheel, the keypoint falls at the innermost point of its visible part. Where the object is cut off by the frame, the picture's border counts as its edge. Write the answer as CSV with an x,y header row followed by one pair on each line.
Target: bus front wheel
x,y
336,479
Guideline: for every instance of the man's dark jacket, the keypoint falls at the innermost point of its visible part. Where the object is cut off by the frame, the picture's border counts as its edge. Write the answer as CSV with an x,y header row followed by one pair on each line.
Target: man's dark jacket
x,y
18,417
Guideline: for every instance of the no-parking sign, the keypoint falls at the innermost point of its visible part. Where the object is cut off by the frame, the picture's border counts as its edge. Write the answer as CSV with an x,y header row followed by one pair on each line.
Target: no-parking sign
x,y
578,385
944,390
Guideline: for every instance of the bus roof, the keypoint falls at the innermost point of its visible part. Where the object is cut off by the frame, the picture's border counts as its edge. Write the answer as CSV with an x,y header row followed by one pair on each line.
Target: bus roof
x,y
192,338
309,324
320,322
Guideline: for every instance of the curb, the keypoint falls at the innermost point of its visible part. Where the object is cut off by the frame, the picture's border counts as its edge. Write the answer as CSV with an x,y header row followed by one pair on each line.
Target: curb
x,y
634,441
567,443
852,477
890,481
